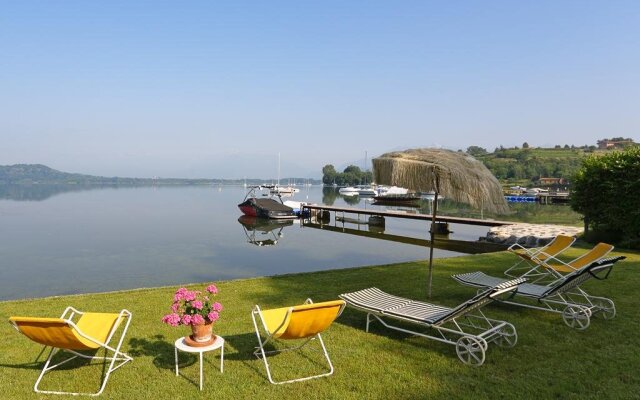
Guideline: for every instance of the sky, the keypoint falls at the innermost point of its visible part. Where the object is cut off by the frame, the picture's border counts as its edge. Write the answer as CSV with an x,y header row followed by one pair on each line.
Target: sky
x,y
220,89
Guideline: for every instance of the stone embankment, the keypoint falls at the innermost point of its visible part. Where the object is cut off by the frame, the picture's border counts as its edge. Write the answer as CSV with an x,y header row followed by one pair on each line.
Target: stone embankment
x,y
529,235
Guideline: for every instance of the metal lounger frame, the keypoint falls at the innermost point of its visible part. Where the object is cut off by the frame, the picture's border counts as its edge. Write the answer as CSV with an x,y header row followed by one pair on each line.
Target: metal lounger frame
x,y
470,333
564,295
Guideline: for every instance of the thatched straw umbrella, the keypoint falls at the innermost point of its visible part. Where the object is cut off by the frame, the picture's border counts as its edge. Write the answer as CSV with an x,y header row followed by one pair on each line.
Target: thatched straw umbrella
x,y
456,175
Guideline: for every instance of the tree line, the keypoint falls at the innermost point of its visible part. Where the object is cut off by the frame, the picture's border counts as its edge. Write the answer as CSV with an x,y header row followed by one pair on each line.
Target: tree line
x,y
352,175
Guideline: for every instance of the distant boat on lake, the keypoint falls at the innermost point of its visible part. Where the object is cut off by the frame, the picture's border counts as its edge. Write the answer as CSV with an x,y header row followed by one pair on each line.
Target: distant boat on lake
x,y
348,191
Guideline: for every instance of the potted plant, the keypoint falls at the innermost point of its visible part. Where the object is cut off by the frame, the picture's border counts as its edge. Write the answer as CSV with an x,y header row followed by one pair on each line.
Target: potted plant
x,y
196,309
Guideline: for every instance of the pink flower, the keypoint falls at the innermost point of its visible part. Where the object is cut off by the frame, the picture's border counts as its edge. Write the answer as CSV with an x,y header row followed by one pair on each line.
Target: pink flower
x,y
195,301
212,289
179,295
213,316
171,319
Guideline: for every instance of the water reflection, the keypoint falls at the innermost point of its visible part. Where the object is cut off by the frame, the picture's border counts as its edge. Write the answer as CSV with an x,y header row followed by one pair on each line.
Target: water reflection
x,y
329,195
39,192
263,231
97,240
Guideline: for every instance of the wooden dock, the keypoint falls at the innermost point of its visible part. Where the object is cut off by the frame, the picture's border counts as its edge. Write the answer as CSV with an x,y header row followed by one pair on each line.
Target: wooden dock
x,y
406,215
460,246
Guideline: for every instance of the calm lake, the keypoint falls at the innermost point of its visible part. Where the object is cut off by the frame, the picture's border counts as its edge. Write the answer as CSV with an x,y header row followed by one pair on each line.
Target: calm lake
x,y
55,241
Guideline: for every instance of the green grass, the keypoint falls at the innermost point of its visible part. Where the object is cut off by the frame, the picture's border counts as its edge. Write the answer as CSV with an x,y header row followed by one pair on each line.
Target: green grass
x,y
549,361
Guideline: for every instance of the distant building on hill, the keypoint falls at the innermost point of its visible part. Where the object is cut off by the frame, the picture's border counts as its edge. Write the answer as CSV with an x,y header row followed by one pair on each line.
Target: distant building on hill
x,y
615,143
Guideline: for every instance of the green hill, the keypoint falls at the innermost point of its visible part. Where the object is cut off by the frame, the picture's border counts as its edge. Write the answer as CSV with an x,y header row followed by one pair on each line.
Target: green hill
x,y
529,164
34,174
20,174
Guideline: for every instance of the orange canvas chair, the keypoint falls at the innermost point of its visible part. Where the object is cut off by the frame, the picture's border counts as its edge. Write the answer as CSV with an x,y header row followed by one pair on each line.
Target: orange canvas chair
x,y
304,322
89,333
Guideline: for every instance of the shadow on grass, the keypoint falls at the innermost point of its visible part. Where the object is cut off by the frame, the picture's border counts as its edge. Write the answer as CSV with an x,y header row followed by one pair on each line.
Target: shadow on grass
x,y
244,344
163,352
60,356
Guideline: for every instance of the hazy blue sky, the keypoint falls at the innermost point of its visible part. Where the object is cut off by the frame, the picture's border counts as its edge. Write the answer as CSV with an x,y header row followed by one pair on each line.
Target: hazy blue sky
x,y
213,89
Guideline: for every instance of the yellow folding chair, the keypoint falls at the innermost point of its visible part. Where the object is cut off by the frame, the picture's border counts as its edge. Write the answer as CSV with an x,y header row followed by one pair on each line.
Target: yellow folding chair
x,y
598,252
304,321
90,333
533,257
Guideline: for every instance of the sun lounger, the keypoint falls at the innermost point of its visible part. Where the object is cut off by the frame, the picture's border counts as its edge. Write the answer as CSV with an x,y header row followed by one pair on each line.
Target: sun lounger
x,y
90,332
563,296
555,267
305,321
464,326
530,258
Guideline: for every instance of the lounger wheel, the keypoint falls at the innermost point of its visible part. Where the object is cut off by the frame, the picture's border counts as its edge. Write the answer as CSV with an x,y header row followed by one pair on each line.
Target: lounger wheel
x,y
471,350
577,317
604,307
507,336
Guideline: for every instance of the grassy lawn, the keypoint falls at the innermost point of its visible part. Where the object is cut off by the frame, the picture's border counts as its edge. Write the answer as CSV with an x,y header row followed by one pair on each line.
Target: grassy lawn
x,y
550,360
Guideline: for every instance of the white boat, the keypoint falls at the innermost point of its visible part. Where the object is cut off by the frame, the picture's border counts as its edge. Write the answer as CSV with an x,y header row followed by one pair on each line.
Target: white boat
x,y
364,190
391,191
348,191
284,190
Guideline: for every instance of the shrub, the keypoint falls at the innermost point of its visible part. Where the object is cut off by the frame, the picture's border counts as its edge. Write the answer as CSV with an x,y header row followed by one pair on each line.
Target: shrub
x,y
607,192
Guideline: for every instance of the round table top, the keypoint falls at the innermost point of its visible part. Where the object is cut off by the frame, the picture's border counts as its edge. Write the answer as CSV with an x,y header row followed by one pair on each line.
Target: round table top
x,y
181,345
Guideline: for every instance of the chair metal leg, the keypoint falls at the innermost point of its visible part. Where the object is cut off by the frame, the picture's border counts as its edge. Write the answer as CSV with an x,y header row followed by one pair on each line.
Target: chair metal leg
x,y
117,356
260,352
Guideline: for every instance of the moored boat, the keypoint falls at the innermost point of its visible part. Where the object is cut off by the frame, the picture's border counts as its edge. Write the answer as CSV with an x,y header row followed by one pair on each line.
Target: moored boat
x,y
365,190
348,191
284,190
397,198
265,207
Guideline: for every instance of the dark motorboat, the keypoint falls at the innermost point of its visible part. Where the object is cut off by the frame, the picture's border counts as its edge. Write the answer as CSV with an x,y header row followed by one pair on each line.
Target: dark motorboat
x,y
264,207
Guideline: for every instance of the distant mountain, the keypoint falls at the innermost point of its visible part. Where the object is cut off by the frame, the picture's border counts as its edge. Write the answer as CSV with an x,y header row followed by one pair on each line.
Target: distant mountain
x,y
34,173
19,174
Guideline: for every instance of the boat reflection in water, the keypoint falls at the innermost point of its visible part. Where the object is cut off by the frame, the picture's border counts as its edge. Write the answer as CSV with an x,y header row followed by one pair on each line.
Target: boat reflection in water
x,y
263,232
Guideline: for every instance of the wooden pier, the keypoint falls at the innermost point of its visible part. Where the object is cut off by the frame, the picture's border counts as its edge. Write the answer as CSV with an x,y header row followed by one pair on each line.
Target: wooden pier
x,y
376,230
460,246
405,215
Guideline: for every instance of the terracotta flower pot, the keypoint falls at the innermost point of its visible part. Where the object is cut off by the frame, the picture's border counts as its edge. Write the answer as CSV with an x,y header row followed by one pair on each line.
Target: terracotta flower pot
x,y
202,332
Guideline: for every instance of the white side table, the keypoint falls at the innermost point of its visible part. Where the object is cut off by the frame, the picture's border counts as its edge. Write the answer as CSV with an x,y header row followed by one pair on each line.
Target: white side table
x,y
217,344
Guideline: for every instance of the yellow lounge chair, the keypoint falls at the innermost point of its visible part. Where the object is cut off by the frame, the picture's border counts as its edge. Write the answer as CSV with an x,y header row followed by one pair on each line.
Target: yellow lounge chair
x,y
598,252
91,332
536,256
553,268
304,321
